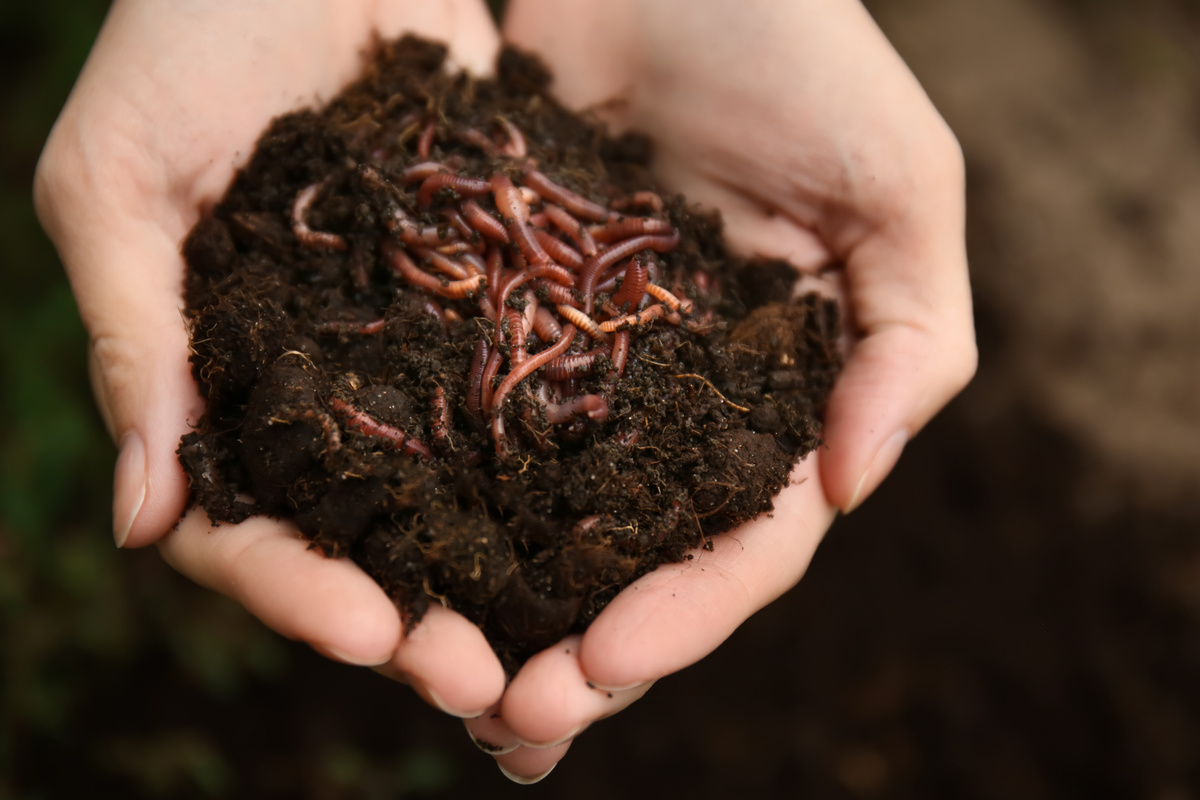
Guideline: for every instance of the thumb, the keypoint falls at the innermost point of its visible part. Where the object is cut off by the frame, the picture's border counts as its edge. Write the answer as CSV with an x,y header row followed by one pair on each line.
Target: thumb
x,y
127,276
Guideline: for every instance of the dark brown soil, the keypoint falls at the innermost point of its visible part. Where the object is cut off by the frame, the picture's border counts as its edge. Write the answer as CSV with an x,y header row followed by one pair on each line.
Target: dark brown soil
x,y
346,398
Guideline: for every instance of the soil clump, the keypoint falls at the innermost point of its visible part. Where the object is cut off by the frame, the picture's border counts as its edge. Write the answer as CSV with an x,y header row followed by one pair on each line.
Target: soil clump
x,y
451,330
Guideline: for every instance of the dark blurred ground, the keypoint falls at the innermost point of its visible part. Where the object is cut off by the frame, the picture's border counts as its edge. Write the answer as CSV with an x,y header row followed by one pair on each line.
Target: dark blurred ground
x,y
1014,615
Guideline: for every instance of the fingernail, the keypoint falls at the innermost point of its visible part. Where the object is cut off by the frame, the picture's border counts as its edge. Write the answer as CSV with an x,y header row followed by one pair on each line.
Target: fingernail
x,y
491,748
885,458
437,701
129,485
525,781
356,661
544,745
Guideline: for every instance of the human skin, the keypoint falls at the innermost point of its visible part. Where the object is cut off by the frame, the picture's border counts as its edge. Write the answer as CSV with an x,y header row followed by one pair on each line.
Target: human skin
x,y
799,123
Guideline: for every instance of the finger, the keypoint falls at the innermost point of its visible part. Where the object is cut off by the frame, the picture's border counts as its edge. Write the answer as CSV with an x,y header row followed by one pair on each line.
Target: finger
x,y
679,613
265,565
527,765
447,660
491,733
550,701
910,301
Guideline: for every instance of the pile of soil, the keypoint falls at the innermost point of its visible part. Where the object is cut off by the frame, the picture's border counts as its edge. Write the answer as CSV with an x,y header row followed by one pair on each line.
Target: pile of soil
x,y
451,330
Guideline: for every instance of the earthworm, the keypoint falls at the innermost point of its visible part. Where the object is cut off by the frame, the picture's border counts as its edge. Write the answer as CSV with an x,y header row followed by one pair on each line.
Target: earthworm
x,y
644,317
490,370
559,250
570,366
425,143
459,224
625,227
422,170
606,258
646,199
455,290
443,264
573,228
516,337
515,211
515,146
545,325
520,373
558,294
560,275
342,326
633,287
475,378
620,351
484,223
583,321
306,235
461,184
577,204
435,310
480,140
439,425
594,406
417,235
364,423
664,296
333,437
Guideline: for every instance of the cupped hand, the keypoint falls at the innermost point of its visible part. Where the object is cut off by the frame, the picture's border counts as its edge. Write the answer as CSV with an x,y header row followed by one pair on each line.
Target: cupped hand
x,y
801,124
168,106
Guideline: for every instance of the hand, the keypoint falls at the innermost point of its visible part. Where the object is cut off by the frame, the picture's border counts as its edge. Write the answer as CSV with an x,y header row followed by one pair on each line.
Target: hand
x,y
170,103
802,125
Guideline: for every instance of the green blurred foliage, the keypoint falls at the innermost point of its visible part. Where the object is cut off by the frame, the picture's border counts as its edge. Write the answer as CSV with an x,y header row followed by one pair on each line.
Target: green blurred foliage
x,y
74,611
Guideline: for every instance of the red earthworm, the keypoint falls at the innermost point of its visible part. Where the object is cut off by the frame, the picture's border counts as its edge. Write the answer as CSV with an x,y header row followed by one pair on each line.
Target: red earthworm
x,y
664,296
425,143
520,373
539,219
488,379
573,365
342,326
307,236
460,184
458,248
515,146
333,437
439,425
452,316
625,227
645,199
558,294
644,317
475,378
552,192
459,224
422,170
633,287
559,250
480,140
571,227
516,337
620,352
606,258
530,197
531,307
443,264
416,236
559,274
582,321
484,223
455,290
592,405
545,325
516,214
473,263
365,424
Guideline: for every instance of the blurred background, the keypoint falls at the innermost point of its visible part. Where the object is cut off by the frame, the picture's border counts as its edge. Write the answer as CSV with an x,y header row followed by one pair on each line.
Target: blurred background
x,y
1016,613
